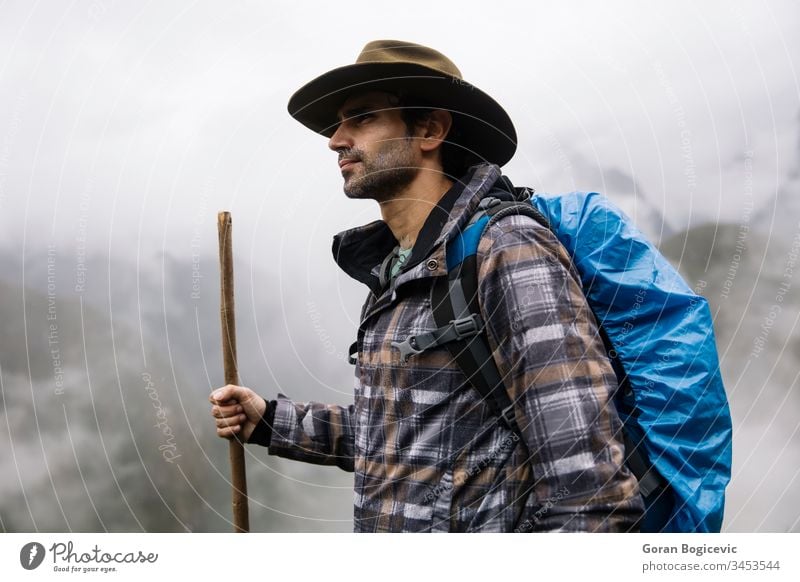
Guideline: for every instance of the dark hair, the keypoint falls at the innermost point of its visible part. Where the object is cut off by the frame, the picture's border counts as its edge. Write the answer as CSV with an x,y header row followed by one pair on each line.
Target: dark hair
x,y
455,158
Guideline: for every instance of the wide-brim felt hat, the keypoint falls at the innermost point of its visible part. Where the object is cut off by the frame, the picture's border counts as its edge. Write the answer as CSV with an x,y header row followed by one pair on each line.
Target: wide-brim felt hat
x,y
483,126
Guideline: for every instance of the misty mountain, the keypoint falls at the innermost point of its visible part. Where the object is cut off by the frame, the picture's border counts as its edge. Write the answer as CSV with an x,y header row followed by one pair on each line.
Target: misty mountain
x,y
105,401
750,273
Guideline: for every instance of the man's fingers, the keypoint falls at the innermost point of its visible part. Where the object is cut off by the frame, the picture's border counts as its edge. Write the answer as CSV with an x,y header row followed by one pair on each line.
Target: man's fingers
x,y
226,411
228,432
231,421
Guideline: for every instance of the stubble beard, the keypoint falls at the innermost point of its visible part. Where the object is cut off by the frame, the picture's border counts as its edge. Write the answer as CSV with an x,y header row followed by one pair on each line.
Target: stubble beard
x,y
384,174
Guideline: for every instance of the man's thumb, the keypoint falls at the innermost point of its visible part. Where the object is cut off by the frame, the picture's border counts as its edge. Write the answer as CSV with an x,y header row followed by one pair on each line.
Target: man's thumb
x,y
226,393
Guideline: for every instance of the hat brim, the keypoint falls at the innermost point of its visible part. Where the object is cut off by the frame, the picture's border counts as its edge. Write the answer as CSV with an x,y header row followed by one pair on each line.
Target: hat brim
x,y
485,128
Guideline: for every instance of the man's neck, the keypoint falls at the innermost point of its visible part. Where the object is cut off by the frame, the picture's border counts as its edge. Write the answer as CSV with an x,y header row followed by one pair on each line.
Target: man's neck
x,y
405,214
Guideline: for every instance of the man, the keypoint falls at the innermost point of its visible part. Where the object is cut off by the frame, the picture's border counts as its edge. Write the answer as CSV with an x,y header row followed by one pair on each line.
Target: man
x,y
427,451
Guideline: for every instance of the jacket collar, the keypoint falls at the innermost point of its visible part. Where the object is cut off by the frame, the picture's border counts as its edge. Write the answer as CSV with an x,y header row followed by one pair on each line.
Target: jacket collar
x,y
360,251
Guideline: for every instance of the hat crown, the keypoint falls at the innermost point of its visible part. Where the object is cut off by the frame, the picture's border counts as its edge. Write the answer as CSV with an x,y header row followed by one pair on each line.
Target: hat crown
x,y
483,130
397,51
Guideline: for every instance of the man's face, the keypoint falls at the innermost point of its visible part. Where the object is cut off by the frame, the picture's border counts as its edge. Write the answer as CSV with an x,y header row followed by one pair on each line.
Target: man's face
x,y
377,158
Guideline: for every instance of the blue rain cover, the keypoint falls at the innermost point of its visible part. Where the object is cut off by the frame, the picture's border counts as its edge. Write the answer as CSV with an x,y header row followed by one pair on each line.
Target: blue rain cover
x,y
663,335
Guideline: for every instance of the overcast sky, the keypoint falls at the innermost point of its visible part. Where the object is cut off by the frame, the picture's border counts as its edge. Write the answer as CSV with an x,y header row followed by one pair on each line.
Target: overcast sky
x,y
134,123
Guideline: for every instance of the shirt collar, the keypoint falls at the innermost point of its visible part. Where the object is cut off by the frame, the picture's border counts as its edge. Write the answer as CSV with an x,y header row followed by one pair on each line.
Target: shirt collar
x,y
358,251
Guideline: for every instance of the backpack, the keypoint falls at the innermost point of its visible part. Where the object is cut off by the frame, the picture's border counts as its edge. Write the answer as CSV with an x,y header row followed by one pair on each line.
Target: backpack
x,y
676,420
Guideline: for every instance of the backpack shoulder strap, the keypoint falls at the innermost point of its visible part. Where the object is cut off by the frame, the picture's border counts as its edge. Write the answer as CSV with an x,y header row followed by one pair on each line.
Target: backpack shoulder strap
x,y
455,298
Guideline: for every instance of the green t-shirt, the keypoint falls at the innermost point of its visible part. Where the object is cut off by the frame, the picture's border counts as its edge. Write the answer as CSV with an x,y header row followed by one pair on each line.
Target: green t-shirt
x,y
399,261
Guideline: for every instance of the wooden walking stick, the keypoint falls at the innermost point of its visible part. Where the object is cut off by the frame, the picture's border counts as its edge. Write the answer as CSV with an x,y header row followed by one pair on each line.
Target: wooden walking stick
x,y
241,519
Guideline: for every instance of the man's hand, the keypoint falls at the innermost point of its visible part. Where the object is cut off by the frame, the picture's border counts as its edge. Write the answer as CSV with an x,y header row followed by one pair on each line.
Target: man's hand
x,y
237,411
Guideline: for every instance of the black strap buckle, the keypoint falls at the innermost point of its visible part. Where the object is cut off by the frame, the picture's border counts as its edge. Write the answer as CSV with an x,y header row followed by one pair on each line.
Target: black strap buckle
x,y
457,329
650,482
507,416
408,347
467,326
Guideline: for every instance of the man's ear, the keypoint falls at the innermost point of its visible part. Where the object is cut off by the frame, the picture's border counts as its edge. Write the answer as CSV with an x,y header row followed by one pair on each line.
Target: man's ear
x,y
435,128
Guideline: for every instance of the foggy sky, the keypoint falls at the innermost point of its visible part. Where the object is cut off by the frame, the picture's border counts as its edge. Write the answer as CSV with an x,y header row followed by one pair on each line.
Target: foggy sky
x,y
125,127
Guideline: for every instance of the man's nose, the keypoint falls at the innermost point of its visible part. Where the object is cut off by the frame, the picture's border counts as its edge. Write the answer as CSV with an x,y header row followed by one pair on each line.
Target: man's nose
x,y
340,139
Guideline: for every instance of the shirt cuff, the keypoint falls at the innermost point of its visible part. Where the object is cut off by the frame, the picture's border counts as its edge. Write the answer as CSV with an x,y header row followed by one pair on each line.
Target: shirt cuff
x,y
262,434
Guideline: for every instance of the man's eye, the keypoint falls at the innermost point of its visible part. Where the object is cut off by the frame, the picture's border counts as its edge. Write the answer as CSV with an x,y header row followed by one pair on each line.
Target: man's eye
x,y
364,117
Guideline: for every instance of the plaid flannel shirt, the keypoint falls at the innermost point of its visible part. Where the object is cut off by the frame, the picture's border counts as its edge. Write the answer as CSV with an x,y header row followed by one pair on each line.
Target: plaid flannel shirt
x,y
427,453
